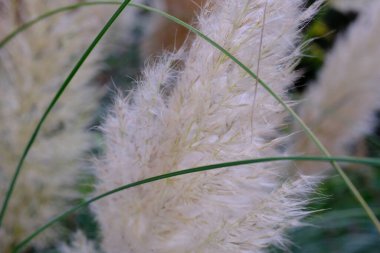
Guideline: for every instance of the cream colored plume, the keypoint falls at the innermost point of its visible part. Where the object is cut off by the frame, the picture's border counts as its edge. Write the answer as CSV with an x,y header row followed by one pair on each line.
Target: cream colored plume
x,y
32,66
196,108
352,5
340,107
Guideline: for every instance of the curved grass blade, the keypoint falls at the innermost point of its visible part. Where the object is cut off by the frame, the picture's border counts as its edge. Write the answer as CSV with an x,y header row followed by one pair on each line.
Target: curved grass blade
x,y
54,101
307,130
30,23
58,218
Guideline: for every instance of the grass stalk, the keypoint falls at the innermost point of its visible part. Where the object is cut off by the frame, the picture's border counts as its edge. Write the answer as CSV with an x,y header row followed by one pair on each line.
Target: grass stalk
x,y
30,23
356,160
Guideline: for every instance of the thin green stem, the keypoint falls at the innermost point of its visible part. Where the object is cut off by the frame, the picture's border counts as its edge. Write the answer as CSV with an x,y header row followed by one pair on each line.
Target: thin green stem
x,y
54,101
30,23
38,231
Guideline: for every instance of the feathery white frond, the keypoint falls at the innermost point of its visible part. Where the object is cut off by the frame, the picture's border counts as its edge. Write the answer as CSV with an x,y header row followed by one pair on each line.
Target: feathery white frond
x,y
352,5
198,111
32,66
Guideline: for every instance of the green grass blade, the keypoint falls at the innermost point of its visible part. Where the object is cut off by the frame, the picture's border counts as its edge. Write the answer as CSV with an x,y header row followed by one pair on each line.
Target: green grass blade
x,y
30,23
367,161
53,102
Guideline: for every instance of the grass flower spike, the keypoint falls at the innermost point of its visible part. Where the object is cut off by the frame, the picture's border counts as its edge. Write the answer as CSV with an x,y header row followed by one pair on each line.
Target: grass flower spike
x,y
340,107
31,68
196,107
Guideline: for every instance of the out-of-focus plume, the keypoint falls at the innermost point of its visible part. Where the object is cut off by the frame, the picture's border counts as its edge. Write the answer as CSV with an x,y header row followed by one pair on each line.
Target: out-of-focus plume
x,y
352,5
196,108
340,107
32,66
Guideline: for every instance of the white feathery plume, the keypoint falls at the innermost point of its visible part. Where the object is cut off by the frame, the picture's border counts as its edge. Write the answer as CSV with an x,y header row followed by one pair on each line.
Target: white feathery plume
x,y
340,107
32,66
351,5
198,112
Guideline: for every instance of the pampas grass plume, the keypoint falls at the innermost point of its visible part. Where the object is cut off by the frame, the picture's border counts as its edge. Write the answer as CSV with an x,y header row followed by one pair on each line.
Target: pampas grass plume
x,y
196,107
32,67
351,5
340,107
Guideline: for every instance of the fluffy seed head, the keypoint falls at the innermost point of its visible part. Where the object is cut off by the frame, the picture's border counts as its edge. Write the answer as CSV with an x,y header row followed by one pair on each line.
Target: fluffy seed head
x,y
340,107
32,66
194,108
